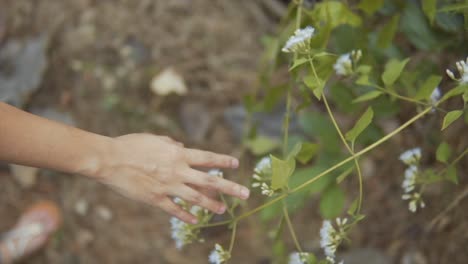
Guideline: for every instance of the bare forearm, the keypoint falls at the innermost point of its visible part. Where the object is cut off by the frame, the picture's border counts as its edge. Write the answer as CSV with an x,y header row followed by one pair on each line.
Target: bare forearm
x,y
34,141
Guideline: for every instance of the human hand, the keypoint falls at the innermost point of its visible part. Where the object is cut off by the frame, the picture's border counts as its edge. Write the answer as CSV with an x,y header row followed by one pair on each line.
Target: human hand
x,y
152,169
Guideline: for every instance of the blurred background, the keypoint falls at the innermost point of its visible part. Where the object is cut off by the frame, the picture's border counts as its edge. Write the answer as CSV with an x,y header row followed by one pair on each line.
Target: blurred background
x,y
181,68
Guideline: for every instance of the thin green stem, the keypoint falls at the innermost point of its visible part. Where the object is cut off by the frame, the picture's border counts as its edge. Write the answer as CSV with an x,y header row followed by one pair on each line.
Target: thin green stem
x,y
233,237
325,172
291,228
350,149
404,98
229,209
286,122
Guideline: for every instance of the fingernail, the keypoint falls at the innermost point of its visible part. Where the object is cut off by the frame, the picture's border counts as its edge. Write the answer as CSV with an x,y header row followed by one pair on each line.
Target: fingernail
x,y
245,193
194,221
235,163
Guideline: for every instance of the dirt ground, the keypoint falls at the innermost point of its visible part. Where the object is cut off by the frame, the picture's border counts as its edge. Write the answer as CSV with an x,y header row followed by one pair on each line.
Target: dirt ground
x,y
102,56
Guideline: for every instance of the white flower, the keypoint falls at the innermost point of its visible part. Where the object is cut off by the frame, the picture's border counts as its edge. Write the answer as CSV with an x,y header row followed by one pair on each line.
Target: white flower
x,y
263,166
327,242
216,172
435,95
183,233
180,232
411,156
343,66
266,190
462,67
331,238
262,176
299,42
415,199
409,183
298,258
218,255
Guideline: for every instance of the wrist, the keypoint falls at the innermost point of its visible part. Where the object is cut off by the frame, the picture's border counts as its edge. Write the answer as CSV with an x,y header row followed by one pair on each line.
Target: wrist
x,y
97,158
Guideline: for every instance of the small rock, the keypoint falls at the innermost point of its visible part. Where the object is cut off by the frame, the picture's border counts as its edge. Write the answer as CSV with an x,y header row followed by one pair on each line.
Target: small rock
x,y
135,51
196,120
365,255
22,66
25,176
167,82
413,257
268,124
104,213
81,207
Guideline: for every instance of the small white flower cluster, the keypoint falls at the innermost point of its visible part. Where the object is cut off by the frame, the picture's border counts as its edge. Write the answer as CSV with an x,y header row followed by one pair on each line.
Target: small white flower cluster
x,y
299,42
299,258
331,238
411,158
262,176
345,64
219,255
183,233
462,67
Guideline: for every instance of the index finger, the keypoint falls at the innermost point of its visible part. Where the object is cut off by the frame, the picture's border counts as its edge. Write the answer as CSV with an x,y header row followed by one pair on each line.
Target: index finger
x,y
203,158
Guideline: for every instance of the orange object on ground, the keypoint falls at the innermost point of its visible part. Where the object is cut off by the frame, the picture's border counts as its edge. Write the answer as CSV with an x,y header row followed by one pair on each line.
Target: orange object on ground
x,y
33,230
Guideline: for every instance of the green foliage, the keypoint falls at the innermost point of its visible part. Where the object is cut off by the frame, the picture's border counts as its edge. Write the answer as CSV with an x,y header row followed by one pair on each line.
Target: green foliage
x,y
262,145
281,171
363,122
393,70
388,32
370,6
443,152
430,9
450,117
332,202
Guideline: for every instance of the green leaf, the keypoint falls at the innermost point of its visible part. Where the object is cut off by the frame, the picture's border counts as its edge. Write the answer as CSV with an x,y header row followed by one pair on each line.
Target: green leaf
x,y
344,175
367,96
323,69
428,87
298,62
281,171
417,28
316,84
308,151
332,202
335,13
451,174
450,117
443,152
454,7
393,70
388,32
261,145
295,150
460,89
430,9
360,125
370,6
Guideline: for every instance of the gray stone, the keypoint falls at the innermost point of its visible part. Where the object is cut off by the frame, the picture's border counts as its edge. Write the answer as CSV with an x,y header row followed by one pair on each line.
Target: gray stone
x,y
196,120
365,255
268,124
22,66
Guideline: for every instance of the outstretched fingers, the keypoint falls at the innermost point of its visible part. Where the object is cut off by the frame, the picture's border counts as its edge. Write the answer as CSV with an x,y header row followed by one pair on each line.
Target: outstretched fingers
x,y
173,209
203,158
197,198
205,180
